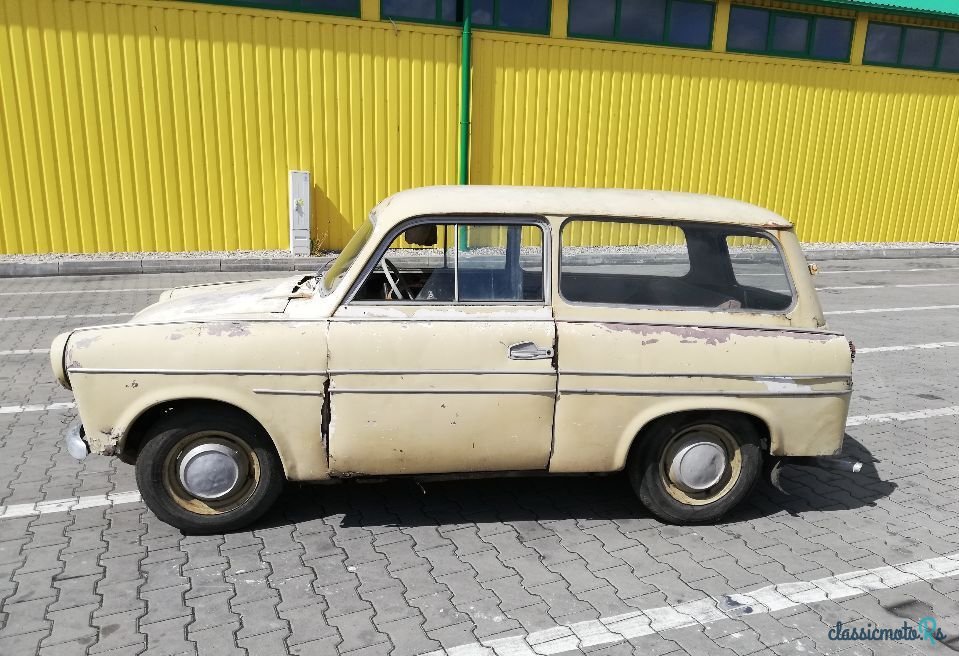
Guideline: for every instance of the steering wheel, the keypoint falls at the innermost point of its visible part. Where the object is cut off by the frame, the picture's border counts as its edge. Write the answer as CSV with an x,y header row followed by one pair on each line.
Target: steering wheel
x,y
397,284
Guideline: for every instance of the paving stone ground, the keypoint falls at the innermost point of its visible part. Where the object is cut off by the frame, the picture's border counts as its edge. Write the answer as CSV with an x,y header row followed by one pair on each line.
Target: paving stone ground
x,y
401,568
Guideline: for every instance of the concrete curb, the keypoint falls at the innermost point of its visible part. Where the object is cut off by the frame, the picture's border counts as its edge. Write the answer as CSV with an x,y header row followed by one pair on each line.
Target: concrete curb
x,y
185,265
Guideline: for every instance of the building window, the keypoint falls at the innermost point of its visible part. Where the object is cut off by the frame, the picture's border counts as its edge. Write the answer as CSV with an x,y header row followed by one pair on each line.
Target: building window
x,y
911,47
789,34
686,23
335,7
528,16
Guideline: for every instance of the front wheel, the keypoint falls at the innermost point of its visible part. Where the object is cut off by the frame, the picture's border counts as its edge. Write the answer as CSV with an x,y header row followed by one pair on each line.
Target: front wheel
x,y
208,473
696,468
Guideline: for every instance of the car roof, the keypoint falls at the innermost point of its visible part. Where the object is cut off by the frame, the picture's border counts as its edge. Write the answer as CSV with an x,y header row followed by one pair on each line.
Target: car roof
x,y
569,201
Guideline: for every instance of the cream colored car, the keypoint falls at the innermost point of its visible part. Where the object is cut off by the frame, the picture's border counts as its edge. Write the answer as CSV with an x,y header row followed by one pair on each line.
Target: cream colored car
x,y
479,330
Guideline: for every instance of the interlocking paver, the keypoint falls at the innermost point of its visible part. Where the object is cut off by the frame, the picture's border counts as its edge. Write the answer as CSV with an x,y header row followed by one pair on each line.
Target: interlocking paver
x,y
405,569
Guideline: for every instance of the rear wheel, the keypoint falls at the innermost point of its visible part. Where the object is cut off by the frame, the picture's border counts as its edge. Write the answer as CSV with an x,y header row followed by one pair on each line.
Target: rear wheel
x,y
697,467
208,473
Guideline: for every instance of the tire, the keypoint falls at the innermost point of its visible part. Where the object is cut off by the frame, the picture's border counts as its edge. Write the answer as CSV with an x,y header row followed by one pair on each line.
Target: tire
x,y
682,498
252,489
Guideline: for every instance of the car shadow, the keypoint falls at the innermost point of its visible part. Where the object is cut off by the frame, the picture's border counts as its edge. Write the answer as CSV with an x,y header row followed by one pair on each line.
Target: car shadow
x,y
525,501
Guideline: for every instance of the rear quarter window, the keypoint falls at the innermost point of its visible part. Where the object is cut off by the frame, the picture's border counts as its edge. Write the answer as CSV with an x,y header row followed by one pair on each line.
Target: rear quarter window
x,y
671,265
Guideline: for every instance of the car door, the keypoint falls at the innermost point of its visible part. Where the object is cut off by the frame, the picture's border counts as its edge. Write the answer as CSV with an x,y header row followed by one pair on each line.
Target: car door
x,y
441,359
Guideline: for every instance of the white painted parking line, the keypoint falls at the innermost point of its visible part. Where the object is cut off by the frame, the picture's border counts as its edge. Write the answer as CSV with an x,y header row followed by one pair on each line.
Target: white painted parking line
x,y
925,284
636,624
833,271
905,347
886,417
85,291
921,308
17,409
39,317
24,352
66,505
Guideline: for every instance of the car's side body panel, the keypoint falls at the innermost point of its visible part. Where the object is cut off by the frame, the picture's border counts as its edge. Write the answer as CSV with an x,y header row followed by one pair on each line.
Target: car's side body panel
x,y
433,390
273,370
615,378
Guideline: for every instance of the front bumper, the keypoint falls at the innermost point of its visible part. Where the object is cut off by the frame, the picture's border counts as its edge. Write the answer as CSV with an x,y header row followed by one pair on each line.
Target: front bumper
x,y
76,444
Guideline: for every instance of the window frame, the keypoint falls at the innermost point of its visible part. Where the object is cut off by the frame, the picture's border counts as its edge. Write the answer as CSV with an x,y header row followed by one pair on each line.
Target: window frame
x,y
287,5
476,26
936,66
738,230
615,38
457,220
813,18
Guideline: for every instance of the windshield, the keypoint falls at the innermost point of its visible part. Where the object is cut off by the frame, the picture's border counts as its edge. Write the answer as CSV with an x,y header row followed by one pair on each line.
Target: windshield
x,y
335,273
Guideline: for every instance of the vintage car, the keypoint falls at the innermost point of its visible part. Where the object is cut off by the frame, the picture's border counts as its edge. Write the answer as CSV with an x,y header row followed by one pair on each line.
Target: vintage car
x,y
479,330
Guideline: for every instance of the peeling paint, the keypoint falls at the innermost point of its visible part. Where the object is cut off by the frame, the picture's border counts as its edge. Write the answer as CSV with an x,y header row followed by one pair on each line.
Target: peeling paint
x,y
231,329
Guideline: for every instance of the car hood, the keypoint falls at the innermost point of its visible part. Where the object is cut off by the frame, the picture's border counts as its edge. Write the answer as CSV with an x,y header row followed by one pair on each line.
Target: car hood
x,y
224,300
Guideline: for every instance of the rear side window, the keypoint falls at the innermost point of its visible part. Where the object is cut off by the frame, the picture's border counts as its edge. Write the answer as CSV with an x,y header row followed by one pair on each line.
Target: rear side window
x,y
650,264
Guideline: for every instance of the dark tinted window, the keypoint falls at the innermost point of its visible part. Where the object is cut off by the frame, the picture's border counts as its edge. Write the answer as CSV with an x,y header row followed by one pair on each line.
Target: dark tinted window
x,y
525,16
592,17
421,9
748,29
832,39
790,33
338,7
690,24
949,51
919,47
912,47
882,44
644,21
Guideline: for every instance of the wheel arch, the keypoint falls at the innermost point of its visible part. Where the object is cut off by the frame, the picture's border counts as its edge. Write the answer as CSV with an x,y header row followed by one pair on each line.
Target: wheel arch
x,y
136,435
643,424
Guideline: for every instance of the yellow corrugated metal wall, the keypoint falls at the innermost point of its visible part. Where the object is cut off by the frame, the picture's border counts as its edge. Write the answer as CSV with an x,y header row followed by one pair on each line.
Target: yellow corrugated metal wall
x,y
132,125
847,153
135,125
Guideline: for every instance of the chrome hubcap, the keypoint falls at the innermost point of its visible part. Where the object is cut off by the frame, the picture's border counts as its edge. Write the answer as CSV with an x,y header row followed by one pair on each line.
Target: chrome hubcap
x,y
212,471
697,465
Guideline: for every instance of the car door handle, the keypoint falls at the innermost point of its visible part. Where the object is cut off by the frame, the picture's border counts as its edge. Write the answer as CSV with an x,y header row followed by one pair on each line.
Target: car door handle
x,y
529,351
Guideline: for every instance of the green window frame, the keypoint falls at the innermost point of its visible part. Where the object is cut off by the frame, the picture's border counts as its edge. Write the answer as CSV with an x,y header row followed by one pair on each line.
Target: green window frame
x,y
807,52
494,25
299,6
940,38
617,36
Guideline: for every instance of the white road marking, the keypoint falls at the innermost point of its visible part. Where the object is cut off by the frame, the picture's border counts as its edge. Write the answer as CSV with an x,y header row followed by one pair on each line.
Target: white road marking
x,y
17,409
905,347
821,272
920,308
912,415
66,505
24,351
618,628
67,316
85,291
926,284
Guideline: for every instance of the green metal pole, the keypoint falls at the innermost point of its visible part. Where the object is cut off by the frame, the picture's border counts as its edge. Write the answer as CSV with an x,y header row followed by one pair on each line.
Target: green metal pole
x,y
465,83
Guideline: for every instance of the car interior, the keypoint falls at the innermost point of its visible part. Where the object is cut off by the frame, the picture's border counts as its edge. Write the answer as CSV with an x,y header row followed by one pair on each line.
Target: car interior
x,y
421,267
424,271
710,282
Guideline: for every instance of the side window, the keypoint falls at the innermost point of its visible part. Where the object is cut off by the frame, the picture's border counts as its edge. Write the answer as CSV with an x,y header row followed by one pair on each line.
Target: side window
x,y
651,264
459,262
759,272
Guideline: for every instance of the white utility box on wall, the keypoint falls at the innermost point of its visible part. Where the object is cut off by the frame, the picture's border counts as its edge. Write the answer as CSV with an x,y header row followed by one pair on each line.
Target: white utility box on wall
x,y
300,212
